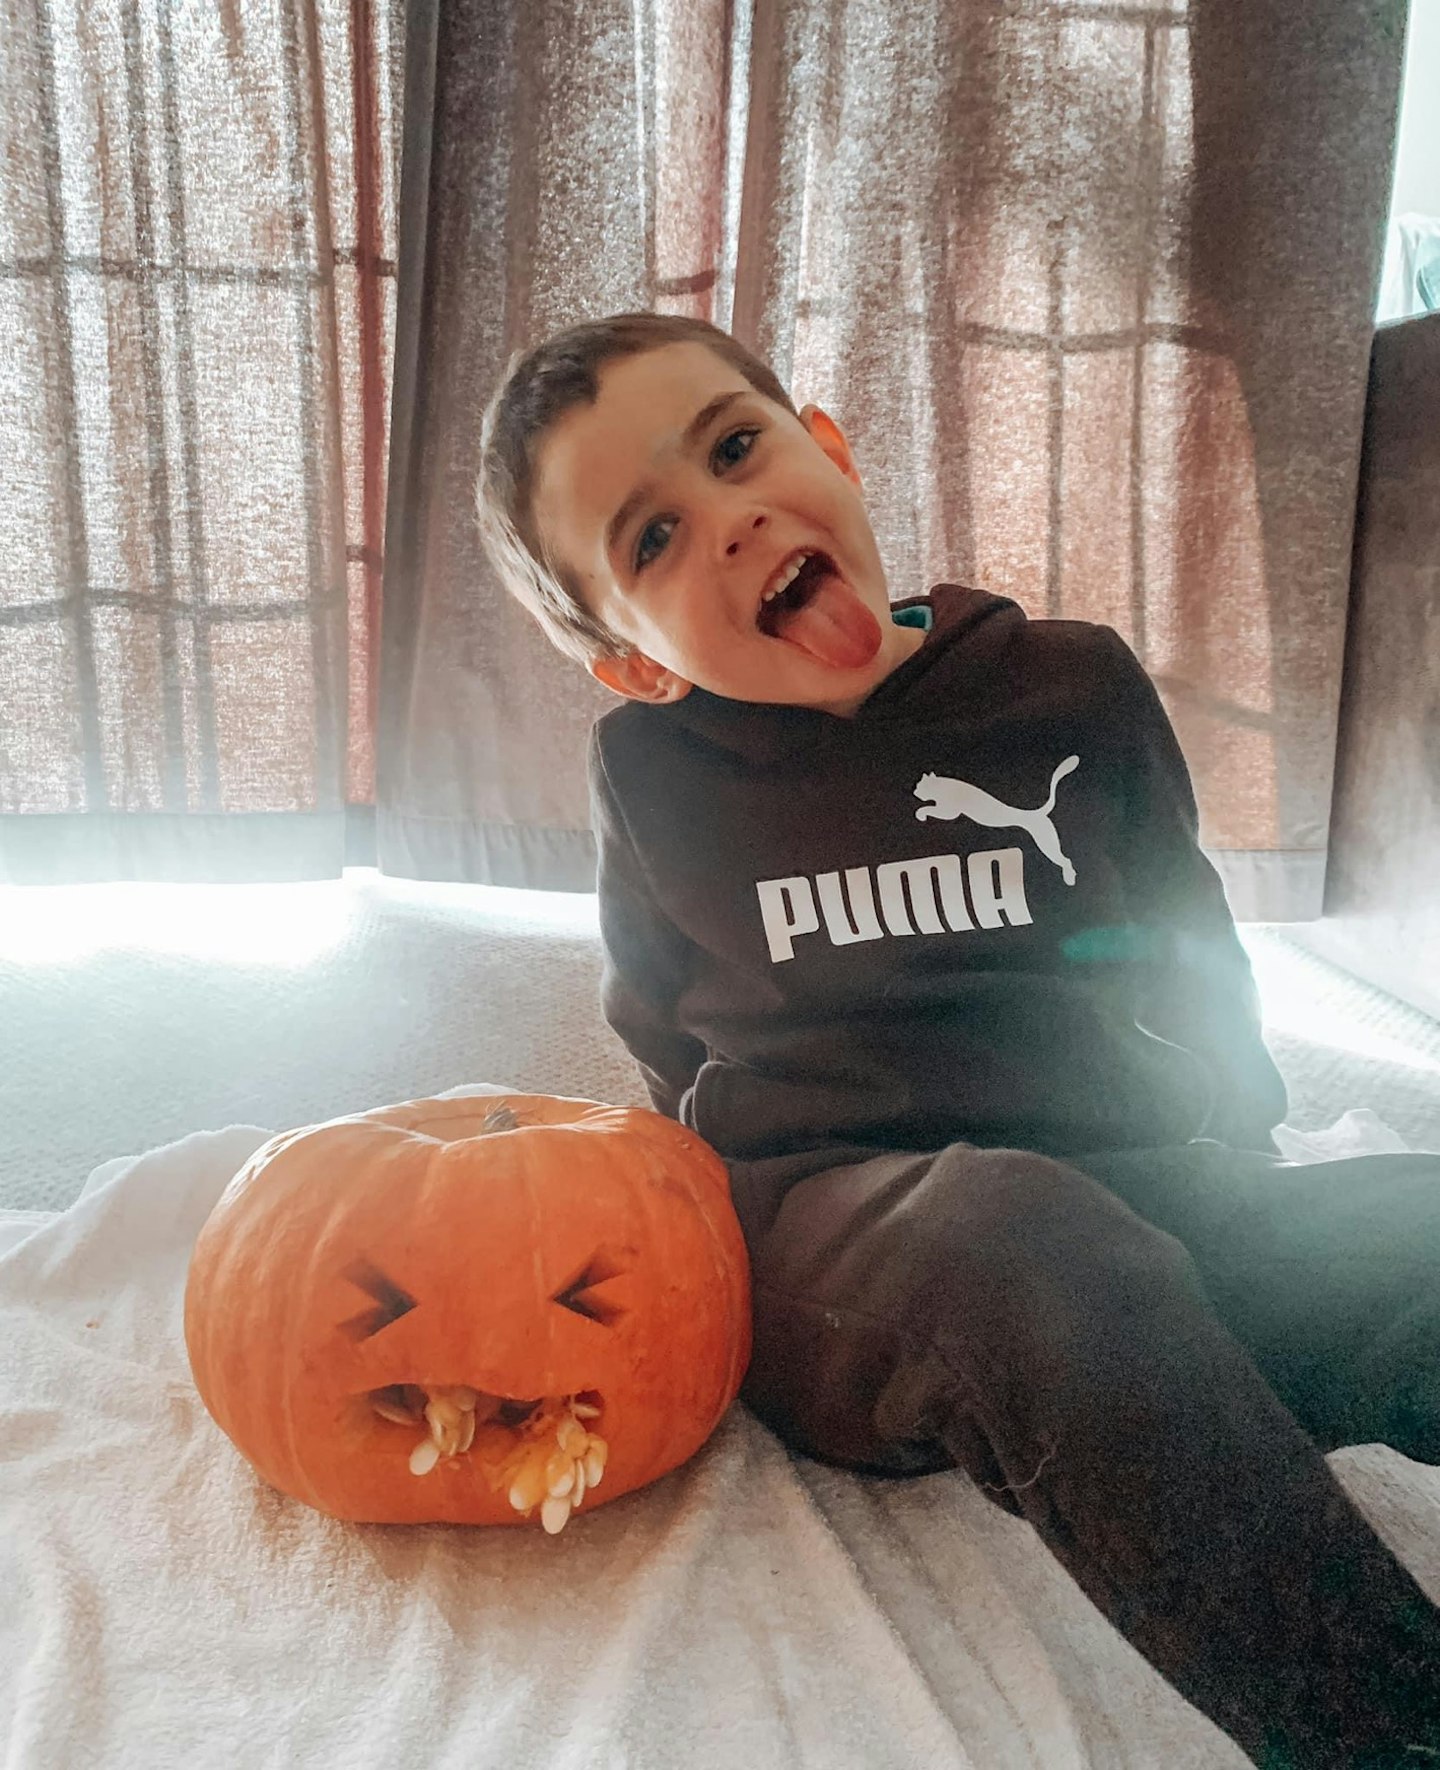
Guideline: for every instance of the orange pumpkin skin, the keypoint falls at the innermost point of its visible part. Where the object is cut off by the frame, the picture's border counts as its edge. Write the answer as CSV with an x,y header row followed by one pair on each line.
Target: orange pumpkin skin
x,y
591,1249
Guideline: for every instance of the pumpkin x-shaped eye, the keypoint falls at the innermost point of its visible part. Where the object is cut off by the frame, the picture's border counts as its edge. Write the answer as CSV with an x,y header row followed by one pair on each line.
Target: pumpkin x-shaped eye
x,y
391,1302
576,1295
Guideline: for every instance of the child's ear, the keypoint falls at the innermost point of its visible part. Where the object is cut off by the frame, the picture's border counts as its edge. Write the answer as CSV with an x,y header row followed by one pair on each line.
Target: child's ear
x,y
831,438
639,678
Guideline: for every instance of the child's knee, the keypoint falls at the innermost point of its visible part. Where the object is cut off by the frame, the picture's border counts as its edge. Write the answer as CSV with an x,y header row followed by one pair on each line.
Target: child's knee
x,y
1019,1228
985,1273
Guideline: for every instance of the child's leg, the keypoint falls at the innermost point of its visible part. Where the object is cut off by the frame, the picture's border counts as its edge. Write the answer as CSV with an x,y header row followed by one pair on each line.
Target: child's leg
x,y
1006,1312
1328,1275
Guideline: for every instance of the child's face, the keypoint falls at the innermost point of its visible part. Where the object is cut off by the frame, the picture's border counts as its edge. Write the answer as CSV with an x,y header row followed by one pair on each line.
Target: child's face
x,y
675,531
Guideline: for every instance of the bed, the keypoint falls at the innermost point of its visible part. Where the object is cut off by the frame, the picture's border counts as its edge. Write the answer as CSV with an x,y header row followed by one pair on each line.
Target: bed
x,y
163,1607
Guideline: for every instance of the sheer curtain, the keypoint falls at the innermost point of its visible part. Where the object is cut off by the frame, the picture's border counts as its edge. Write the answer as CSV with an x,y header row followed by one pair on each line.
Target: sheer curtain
x,y
197,272
1089,285
559,161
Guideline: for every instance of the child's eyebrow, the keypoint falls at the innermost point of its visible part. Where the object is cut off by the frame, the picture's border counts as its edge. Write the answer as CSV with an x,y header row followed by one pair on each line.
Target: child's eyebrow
x,y
707,413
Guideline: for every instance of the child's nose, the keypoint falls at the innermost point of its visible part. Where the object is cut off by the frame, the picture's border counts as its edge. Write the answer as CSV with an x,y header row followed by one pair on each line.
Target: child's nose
x,y
757,521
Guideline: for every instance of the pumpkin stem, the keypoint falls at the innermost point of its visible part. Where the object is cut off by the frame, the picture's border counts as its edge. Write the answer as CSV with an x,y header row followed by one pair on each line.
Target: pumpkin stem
x,y
501,1119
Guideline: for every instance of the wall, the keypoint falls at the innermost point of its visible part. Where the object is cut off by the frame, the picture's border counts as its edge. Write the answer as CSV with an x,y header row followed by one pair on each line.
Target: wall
x,y
1382,892
1417,154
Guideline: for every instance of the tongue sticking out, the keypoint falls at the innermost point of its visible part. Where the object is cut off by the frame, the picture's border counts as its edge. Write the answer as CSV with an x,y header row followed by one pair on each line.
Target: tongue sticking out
x,y
833,625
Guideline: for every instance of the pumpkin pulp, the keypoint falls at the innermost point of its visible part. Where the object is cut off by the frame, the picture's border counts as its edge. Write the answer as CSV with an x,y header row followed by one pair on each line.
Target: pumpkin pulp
x,y
403,1404
537,1451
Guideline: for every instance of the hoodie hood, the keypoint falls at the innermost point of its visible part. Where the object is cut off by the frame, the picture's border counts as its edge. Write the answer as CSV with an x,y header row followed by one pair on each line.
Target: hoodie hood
x,y
968,631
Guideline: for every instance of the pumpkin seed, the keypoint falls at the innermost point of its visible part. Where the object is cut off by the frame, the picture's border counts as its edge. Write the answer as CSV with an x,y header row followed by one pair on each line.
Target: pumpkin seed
x,y
445,1427
554,1473
554,1515
528,1488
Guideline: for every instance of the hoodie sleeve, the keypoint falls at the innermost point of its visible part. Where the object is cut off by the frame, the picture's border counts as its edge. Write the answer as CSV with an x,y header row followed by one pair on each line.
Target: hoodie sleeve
x,y
1197,989
646,958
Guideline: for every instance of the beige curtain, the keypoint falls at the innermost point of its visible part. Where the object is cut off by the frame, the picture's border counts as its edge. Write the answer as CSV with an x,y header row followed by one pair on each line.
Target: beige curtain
x,y
1088,284
560,161
197,272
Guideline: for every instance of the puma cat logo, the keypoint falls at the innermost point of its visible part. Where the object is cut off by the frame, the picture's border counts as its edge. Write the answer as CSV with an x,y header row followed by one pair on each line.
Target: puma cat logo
x,y
952,798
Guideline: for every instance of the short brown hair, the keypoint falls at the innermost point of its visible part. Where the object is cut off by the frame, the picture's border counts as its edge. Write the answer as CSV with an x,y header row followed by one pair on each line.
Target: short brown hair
x,y
539,386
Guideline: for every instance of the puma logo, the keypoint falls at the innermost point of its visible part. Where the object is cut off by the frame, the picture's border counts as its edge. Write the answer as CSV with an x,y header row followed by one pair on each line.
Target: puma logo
x,y
952,798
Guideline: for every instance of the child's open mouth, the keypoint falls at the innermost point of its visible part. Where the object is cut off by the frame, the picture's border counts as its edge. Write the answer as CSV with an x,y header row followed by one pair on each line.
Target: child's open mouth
x,y
820,614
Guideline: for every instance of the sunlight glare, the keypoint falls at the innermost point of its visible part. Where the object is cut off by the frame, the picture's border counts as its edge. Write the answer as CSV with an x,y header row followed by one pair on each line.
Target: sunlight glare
x,y
1292,1002
285,925
288,924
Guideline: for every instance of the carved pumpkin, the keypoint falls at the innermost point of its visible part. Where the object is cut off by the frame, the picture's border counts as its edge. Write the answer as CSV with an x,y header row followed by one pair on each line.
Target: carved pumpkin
x,y
463,1310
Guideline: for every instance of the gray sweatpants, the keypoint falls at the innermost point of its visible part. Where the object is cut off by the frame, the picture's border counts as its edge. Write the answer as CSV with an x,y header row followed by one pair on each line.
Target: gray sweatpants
x,y
1145,1354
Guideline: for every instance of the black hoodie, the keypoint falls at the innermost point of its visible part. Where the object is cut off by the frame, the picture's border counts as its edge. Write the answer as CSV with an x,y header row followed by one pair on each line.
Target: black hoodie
x,y
977,911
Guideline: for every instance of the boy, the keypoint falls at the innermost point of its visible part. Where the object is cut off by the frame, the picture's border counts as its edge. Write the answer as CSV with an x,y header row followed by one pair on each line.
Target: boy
x,y
903,911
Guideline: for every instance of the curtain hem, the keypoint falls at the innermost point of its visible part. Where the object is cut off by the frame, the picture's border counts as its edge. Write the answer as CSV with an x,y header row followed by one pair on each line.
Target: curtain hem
x,y
1271,885
75,848
1261,885
221,848
526,856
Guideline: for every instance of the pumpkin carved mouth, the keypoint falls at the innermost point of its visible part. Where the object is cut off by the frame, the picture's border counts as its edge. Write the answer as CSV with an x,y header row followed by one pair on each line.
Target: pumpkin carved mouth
x,y
540,1451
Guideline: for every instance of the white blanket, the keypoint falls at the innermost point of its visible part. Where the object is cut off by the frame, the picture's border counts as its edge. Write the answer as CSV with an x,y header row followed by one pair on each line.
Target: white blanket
x,y
162,1607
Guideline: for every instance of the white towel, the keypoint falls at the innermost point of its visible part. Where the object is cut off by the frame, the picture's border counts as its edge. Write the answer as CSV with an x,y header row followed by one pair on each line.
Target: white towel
x,y
163,1607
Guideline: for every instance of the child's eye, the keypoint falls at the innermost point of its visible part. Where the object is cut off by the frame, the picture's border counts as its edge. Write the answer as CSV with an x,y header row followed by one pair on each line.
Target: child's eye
x,y
730,451
644,552
722,450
